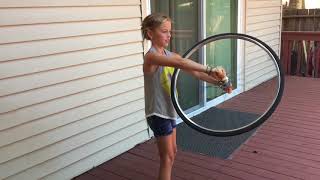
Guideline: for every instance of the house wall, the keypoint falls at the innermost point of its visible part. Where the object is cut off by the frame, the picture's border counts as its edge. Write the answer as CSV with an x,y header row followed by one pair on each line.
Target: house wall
x,y
263,20
71,85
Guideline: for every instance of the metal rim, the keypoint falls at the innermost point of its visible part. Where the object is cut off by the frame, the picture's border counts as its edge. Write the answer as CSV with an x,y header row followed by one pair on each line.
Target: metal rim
x,y
250,126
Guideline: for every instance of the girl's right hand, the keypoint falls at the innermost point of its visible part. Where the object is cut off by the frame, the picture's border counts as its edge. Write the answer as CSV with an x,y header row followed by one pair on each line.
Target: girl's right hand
x,y
228,89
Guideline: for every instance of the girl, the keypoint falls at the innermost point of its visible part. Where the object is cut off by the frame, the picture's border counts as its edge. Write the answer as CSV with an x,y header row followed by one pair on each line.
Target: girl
x,y
158,67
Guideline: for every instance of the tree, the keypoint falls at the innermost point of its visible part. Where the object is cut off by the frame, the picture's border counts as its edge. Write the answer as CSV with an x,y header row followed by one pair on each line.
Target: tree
x,y
297,4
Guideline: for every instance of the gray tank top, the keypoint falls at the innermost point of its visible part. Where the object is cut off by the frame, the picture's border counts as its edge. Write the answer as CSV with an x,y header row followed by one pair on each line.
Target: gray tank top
x,y
157,91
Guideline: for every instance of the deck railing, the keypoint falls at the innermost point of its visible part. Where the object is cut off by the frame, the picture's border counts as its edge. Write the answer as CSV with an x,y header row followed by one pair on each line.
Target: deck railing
x,y
300,53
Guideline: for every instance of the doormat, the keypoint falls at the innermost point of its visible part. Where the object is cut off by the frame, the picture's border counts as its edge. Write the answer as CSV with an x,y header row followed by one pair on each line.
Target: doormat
x,y
191,140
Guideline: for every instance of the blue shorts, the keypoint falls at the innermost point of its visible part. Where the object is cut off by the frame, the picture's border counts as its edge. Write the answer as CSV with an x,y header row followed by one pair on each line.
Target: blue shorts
x,y
161,126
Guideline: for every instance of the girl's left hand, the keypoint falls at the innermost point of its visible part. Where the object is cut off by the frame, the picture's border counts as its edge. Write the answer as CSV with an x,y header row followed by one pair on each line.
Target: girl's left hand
x,y
220,74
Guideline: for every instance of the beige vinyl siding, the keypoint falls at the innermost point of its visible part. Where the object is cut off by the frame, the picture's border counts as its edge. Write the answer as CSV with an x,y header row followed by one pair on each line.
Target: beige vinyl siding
x,y
24,16
263,20
69,3
71,85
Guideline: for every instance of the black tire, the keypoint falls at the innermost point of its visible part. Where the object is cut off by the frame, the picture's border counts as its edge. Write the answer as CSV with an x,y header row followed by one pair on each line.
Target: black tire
x,y
250,126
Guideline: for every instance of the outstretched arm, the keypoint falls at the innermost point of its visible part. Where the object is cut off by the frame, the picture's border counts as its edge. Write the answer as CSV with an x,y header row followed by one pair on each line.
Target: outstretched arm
x,y
173,61
152,59
200,71
209,79
220,72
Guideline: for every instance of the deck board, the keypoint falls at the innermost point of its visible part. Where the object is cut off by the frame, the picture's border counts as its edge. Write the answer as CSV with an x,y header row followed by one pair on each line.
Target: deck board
x,y
105,175
286,147
86,176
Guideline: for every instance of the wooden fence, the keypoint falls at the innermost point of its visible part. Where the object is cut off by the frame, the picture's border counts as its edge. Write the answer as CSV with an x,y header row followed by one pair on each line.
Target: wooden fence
x,y
301,20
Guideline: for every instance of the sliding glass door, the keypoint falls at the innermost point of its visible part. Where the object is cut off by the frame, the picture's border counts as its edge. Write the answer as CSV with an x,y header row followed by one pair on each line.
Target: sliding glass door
x,y
221,17
185,32
192,21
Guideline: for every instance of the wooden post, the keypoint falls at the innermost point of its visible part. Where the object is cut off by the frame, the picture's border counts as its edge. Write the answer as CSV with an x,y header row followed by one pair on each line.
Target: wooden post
x,y
317,19
290,45
286,56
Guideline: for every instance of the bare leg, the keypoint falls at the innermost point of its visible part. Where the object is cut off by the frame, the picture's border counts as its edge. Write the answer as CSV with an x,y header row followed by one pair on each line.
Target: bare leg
x,y
167,154
174,141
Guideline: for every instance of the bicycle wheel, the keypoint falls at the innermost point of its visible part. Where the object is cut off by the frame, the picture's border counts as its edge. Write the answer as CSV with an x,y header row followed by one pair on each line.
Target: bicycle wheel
x,y
257,79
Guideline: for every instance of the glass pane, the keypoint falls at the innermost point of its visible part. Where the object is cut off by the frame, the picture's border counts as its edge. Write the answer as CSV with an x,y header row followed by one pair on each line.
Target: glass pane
x,y
184,14
221,17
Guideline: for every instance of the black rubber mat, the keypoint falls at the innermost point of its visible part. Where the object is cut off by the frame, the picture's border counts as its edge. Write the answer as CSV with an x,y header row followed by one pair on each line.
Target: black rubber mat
x,y
222,147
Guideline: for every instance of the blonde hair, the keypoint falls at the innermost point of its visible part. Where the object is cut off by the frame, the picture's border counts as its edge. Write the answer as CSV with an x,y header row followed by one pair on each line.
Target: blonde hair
x,y
151,22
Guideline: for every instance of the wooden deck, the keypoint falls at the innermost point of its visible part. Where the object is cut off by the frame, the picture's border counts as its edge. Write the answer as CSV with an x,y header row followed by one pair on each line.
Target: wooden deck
x,y
286,147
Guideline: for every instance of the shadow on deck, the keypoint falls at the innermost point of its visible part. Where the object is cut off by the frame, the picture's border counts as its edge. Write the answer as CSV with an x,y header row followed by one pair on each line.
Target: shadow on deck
x,y
287,146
